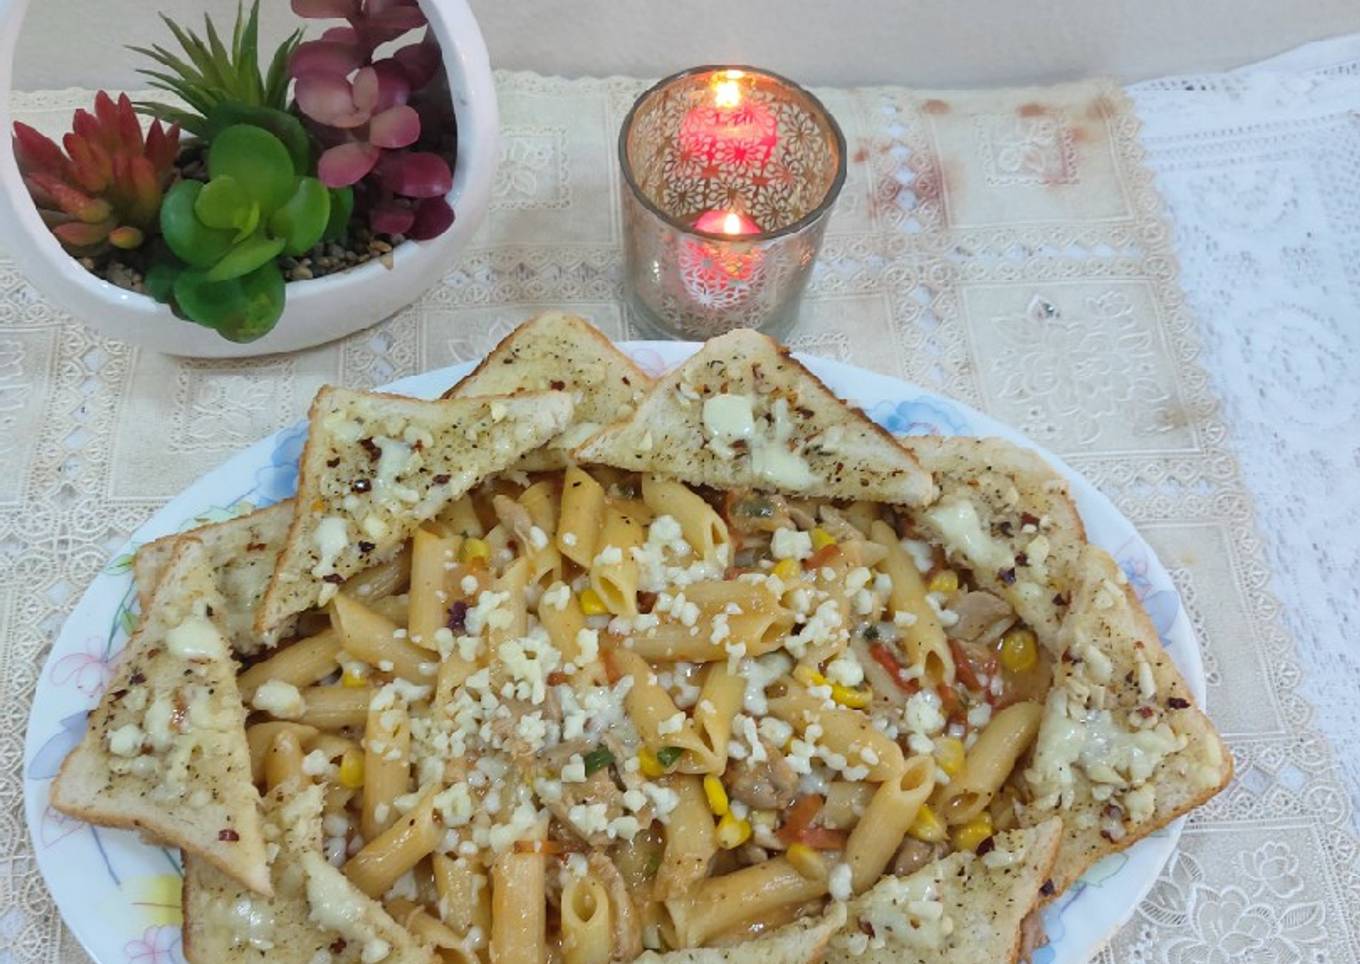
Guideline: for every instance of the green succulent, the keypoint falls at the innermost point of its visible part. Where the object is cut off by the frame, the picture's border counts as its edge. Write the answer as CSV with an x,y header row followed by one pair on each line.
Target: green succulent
x,y
227,234
209,74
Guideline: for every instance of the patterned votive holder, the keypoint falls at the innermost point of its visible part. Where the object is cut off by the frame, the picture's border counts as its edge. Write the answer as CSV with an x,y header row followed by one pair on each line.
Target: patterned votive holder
x,y
729,174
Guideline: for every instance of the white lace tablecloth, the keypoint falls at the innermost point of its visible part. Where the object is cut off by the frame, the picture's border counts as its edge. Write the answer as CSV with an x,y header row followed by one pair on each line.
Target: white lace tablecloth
x,y
1010,248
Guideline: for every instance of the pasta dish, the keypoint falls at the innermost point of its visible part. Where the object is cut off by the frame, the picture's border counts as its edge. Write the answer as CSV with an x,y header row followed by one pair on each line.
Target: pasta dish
x,y
574,666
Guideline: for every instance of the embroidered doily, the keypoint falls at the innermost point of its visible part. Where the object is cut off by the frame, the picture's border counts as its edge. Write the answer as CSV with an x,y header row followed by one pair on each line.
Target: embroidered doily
x,y
1006,247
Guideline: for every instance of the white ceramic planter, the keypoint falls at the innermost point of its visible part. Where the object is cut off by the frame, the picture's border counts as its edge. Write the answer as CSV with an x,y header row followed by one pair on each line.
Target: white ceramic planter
x,y
317,311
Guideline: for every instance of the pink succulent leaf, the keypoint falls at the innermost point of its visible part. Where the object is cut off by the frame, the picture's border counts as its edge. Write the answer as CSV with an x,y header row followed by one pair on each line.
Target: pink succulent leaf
x,y
393,86
325,9
347,164
365,89
433,218
330,57
417,174
420,61
395,128
391,217
329,100
36,151
341,35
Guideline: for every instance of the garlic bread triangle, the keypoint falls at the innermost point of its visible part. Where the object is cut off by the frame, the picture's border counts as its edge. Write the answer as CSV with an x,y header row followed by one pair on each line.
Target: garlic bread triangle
x,y
375,466
556,350
961,909
1122,748
165,750
315,913
1009,517
242,553
742,412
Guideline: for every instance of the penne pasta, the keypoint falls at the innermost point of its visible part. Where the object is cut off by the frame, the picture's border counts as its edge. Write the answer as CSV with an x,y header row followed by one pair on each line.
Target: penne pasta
x,y
302,663
396,850
519,922
690,840
702,527
283,760
659,722
923,639
889,813
988,763
433,557
721,903
720,699
613,570
586,922
260,737
460,518
378,641
844,731
335,707
464,898
579,521
385,579
387,766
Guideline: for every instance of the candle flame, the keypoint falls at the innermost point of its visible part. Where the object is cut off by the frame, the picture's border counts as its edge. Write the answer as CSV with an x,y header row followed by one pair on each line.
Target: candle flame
x,y
726,90
731,223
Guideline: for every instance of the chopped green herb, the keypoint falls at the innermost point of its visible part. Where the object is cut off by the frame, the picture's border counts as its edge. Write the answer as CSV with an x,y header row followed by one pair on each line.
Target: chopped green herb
x,y
597,759
652,865
668,755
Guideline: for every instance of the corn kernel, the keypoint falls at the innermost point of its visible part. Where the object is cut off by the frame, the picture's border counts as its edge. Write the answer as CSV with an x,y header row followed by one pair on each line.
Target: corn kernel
x,y
949,754
649,765
732,832
808,676
716,794
352,679
821,538
927,826
786,570
967,836
853,698
945,581
474,550
592,604
806,861
352,769
1019,650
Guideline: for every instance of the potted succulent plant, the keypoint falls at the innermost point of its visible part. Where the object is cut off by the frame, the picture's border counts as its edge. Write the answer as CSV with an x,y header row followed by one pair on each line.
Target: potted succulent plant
x,y
274,202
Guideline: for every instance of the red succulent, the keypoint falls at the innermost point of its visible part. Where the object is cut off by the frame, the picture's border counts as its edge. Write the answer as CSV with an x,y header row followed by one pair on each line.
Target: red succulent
x,y
106,187
361,111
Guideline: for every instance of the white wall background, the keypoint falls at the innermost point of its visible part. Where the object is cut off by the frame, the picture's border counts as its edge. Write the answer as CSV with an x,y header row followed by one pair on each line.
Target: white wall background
x,y
919,42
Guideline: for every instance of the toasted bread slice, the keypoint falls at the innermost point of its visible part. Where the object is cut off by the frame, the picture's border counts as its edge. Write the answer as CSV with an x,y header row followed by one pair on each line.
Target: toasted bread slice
x,y
375,466
802,942
962,909
1007,515
743,413
315,913
1122,748
241,552
565,352
165,751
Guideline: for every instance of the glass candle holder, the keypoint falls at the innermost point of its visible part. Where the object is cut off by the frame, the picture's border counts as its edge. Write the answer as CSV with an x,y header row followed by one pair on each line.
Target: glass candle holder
x,y
729,174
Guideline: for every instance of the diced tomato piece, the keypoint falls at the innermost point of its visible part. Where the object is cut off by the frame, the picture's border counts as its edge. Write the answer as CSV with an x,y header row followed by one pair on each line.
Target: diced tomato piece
x,y
884,657
966,665
799,817
557,678
824,838
822,557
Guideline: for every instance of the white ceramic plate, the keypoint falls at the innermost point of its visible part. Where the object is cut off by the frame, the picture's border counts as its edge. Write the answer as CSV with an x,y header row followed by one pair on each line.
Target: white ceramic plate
x,y
121,896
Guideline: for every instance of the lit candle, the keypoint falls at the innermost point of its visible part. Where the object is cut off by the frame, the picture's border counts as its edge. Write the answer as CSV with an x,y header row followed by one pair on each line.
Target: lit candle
x,y
728,129
731,223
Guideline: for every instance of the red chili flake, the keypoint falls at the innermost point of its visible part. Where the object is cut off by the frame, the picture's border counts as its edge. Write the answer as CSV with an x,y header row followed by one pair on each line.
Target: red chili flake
x,y
137,678
1004,527
338,946
371,447
332,463
866,927
366,546
557,384
1059,599
254,546
458,616
645,601
557,678
440,479
1048,890
1021,559
1176,703
334,578
228,835
1027,519
987,846
1145,712
1007,575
